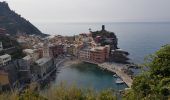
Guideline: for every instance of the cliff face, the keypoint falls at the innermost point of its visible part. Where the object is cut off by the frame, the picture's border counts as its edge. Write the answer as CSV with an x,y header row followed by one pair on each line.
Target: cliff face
x,y
105,38
14,23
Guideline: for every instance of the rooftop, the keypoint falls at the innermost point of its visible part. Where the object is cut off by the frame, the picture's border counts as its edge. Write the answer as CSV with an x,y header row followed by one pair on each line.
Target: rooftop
x,y
28,51
42,61
4,56
97,48
27,57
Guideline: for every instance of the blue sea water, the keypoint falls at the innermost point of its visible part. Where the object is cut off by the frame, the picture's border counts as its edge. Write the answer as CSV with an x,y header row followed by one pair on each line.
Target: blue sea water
x,y
139,39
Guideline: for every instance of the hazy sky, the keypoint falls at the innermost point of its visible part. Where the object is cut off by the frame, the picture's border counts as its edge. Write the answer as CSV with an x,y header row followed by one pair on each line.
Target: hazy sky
x,y
92,10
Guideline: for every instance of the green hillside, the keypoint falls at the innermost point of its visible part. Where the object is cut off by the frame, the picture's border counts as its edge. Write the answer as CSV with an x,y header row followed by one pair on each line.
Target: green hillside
x,y
14,23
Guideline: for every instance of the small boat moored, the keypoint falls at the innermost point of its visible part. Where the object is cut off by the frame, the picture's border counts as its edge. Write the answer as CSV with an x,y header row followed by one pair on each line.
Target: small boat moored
x,y
119,81
115,76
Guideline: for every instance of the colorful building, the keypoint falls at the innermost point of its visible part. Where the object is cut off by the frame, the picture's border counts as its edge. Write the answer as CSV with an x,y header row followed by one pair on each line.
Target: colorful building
x,y
32,53
56,50
84,54
98,54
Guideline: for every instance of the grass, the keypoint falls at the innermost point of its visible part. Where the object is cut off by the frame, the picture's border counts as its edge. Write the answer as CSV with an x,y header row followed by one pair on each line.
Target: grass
x,y
60,92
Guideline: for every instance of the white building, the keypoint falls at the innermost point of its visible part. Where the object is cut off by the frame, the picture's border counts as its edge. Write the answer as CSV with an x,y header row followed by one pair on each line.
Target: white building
x,y
1,46
5,59
32,53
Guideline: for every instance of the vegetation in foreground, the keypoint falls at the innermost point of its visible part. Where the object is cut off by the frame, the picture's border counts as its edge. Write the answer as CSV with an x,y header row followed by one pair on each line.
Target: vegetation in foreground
x,y
153,84
60,93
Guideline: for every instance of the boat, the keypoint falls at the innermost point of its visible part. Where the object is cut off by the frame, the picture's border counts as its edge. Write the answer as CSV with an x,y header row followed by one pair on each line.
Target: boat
x,y
115,76
119,81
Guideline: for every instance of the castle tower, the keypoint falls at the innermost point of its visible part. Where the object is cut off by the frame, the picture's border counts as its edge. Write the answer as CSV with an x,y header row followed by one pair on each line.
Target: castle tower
x,y
103,27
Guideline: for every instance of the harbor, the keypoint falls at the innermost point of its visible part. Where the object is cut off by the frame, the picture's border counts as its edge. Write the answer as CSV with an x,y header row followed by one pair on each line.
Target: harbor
x,y
118,70
85,75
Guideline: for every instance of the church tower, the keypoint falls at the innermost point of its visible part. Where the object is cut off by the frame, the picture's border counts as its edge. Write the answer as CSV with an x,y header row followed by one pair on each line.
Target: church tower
x,y
46,52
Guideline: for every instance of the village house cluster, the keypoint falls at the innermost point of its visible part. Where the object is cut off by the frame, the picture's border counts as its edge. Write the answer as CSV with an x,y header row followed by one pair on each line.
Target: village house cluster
x,y
41,56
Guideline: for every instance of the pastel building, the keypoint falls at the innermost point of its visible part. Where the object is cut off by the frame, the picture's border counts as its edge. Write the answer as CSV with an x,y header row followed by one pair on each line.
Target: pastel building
x,y
56,50
32,53
98,54
70,49
84,54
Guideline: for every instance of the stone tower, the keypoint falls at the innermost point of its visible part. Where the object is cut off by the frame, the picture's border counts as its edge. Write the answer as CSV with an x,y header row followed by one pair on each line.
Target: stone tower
x,y
103,27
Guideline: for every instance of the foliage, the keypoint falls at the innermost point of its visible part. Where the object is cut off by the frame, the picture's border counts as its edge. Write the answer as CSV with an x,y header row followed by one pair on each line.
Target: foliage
x,y
60,92
153,84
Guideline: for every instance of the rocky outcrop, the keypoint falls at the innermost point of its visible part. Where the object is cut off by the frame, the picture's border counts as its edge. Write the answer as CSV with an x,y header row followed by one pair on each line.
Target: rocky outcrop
x,y
105,38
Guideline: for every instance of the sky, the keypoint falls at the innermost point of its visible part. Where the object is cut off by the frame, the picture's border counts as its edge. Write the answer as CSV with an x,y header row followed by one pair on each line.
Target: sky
x,y
92,10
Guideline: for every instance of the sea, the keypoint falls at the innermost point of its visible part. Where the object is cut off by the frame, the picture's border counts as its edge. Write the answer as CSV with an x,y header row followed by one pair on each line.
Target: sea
x,y
140,39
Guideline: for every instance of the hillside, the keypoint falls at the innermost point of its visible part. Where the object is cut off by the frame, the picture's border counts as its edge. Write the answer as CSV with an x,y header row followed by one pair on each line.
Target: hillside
x,y
11,46
14,23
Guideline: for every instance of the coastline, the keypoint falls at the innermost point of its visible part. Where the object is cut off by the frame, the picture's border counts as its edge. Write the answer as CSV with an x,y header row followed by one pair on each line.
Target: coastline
x,y
118,70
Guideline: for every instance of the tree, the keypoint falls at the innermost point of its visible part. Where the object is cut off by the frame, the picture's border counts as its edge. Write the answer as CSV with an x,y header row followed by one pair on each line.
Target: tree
x,y
154,84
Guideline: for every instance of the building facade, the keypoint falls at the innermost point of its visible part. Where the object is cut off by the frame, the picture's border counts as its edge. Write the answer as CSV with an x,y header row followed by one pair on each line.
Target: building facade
x,y
84,54
43,66
8,76
46,52
1,46
24,72
98,54
34,54
5,59
56,50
